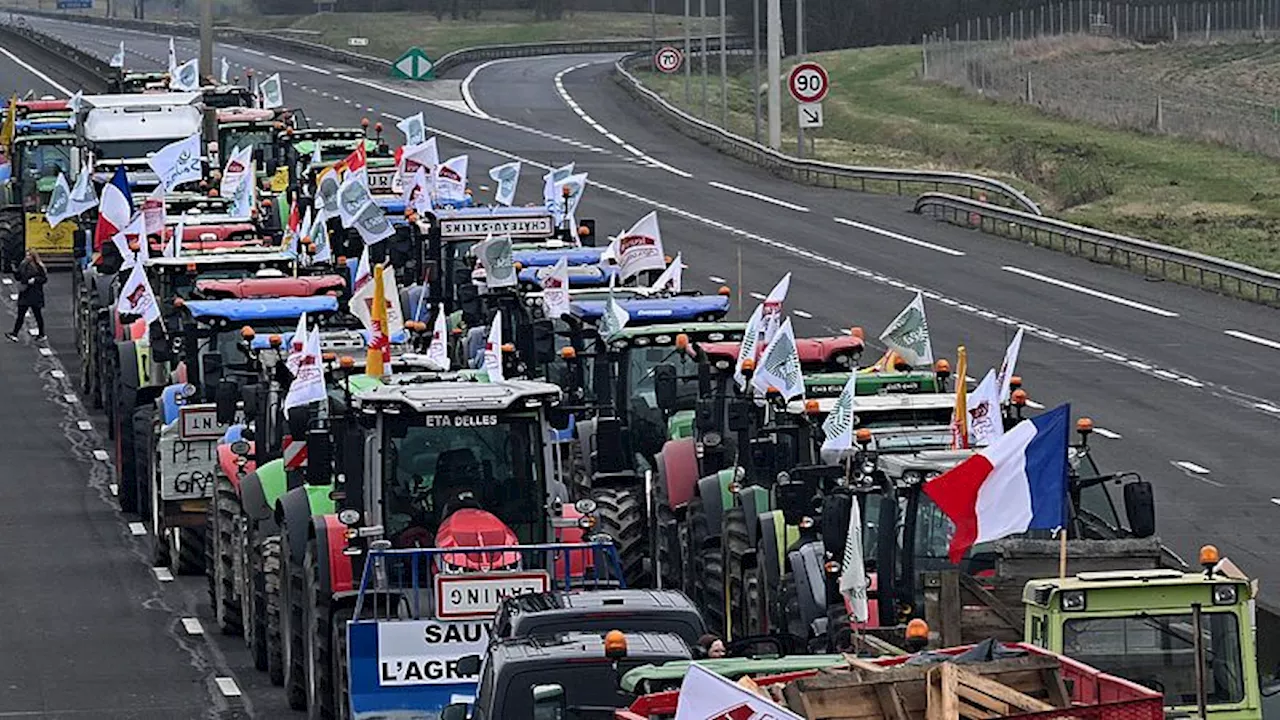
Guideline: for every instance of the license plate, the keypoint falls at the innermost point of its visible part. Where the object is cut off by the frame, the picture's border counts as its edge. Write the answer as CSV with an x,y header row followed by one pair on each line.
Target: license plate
x,y
380,182
471,595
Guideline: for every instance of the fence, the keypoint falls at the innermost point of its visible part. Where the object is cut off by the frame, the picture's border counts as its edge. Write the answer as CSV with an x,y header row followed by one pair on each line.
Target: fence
x,y
1093,61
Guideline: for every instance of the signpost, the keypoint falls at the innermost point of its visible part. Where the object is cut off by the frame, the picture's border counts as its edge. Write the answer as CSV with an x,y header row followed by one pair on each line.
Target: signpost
x,y
413,65
668,59
808,84
810,115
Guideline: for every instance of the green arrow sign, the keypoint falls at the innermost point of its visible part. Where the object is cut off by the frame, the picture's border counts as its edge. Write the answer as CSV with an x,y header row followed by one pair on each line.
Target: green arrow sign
x,y
413,65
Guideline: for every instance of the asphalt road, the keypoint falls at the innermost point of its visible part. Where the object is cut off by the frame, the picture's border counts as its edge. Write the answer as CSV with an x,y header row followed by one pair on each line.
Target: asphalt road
x,y
1170,373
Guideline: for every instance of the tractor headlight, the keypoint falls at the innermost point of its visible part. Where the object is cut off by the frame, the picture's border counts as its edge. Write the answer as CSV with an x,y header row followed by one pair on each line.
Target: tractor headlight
x,y
586,522
586,506
1224,595
711,439
784,477
349,517
1072,601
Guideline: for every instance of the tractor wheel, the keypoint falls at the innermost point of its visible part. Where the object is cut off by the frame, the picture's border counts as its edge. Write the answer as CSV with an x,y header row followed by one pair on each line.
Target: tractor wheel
x,y
341,675
737,552
622,518
669,551
12,244
272,603
789,602
224,542
142,430
319,633
770,611
181,550
293,631
211,550
755,619
712,584
695,535
253,606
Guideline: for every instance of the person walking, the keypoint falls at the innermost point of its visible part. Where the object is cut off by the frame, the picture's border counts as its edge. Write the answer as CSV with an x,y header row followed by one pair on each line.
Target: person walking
x,y
31,275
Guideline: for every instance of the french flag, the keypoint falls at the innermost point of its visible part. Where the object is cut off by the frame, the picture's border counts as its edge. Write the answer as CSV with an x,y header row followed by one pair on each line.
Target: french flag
x,y
1016,484
115,209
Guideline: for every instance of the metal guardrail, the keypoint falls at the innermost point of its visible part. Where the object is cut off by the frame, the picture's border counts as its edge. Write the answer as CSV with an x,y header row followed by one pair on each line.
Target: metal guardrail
x,y
810,172
571,47
1141,256
91,70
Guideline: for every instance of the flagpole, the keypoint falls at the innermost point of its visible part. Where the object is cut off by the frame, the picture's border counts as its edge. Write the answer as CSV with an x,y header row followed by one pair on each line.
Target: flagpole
x,y
1062,554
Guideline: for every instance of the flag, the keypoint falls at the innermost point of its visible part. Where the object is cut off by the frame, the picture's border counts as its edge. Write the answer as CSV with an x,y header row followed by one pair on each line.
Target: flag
x,y
291,228
364,274
493,350
550,197
909,334
327,188
837,429
747,350
361,303
422,155
320,239
960,414
224,73
640,248
1018,483
308,382
451,179
414,128
615,317
568,209
74,104
499,267
1008,366
672,278
173,58
379,353
272,92
372,224
186,77
297,345
10,121
236,171
353,196
507,176
780,366
115,208
304,230
357,161
136,297
173,248
244,195
704,695
438,351
83,196
771,314
985,424
59,208
420,193
117,60
153,214
316,156
555,289
853,571
178,162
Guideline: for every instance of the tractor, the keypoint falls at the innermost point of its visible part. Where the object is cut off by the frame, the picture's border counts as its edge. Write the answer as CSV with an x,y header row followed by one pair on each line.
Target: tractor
x,y
39,145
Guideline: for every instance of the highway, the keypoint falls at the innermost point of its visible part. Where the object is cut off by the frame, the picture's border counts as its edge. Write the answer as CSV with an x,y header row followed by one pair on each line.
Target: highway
x,y
1180,380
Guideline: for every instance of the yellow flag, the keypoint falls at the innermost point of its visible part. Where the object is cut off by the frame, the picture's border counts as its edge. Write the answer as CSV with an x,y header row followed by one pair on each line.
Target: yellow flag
x,y
10,122
960,416
379,342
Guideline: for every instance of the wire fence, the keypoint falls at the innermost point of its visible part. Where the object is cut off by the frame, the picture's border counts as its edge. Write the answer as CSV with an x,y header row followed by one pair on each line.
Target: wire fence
x,y
1201,70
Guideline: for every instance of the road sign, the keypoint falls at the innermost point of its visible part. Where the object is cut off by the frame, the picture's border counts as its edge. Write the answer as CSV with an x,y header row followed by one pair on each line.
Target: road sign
x,y
200,422
357,41
810,115
413,65
476,595
75,4
808,82
668,59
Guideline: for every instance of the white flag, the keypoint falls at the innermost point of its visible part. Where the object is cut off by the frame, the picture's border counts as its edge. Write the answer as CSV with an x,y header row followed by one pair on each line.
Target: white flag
x,y
65,203
555,289
747,351
372,224
576,184
451,179
236,171
673,277
298,345
361,303
640,248
507,176
550,194
117,60
153,213
244,195
438,350
493,350
136,297
224,75
364,276
186,77
353,196
908,335
499,268
320,239
308,382
838,427
780,366
59,202
615,317
771,314
704,695
1008,366
422,155
83,196
986,425
420,193
414,128
853,571
178,162
173,57
74,105
173,248
272,92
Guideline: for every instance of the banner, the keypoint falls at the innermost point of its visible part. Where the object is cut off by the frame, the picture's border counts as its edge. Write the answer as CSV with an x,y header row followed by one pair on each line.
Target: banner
x,y
508,177
908,334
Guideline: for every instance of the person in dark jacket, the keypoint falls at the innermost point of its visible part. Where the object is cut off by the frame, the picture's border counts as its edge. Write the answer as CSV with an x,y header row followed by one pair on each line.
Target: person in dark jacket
x,y
31,276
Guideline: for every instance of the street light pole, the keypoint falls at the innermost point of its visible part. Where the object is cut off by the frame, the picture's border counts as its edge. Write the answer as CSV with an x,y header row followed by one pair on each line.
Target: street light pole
x,y
703,31
799,58
653,26
773,43
724,73
688,57
755,56
206,37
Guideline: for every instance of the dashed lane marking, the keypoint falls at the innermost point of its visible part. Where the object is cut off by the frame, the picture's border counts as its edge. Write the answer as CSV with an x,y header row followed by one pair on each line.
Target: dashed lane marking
x,y
162,574
192,626
102,455
803,314
115,489
717,279
900,237
286,61
1090,292
137,528
71,398
758,196
84,424
1108,434
1192,467
315,69
1241,335
227,686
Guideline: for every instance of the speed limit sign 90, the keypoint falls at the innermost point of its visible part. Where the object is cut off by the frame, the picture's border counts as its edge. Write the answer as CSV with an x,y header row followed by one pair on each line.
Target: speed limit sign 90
x,y
808,82
668,59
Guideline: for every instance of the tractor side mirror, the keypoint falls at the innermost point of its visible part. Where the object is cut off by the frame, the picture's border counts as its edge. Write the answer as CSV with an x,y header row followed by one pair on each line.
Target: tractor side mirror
x,y
161,343
664,386
1140,508
319,457
469,665
225,396
79,244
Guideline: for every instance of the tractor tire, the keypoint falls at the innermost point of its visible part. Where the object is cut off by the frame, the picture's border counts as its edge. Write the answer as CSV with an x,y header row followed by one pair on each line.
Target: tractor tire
x,y
669,551
12,242
293,631
224,542
737,553
621,514
341,677
319,657
253,606
272,581
754,611
142,431
789,602
695,534
712,584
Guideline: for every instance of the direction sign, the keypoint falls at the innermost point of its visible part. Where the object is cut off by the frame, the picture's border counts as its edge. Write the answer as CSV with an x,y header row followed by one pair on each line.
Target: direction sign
x,y
75,4
808,82
413,65
810,115
668,59
357,41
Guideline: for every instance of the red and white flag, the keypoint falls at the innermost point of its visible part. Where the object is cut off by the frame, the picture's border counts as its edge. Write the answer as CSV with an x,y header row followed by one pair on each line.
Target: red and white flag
x,y
438,350
493,350
640,248
705,695
308,380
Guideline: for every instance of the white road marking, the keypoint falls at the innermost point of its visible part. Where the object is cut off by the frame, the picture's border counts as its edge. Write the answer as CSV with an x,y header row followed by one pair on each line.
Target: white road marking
x,y
1276,501
71,398
102,455
162,574
227,686
758,196
759,296
1241,335
1192,467
57,374
803,314
1139,365
137,528
84,425
717,279
53,83
313,68
1090,291
8,281
192,626
1267,408
1190,383
1113,356
467,97
255,52
898,236
389,116
114,488
286,61
1108,434
1034,405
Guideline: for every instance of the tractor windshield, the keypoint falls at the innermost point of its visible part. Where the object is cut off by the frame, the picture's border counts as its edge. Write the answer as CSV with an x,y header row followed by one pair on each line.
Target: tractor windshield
x,y
262,140
1158,651
41,164
442,463
648,423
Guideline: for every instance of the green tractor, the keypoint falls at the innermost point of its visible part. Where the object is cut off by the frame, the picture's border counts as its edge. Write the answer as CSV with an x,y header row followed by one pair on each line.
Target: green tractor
x,y
40,144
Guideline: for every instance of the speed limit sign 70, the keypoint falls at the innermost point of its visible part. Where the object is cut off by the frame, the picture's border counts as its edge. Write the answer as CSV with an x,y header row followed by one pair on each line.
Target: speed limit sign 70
x,y
668,59
808,82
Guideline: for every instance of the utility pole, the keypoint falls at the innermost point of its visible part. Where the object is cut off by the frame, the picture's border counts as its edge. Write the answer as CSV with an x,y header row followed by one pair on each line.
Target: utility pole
x,y
206,37
688,57
773,43
702,28
653,26
799,58
724,73
755,56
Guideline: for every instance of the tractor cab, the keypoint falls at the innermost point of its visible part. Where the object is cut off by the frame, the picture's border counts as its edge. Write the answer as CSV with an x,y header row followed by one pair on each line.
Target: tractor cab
x,y
225,97
41,145
136,82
